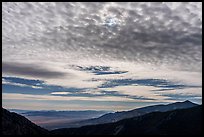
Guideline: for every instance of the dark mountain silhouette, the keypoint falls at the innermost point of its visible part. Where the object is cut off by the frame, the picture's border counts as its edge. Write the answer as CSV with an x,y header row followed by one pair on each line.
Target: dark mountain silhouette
x,y
15,124
114,117
177,122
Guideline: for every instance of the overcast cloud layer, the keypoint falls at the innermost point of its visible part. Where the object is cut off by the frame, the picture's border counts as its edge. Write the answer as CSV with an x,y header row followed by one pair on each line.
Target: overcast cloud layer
x,y
88,45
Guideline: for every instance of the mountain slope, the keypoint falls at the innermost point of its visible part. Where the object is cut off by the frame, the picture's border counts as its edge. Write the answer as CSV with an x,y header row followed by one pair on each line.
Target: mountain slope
x,y
176,122
15,124
114,117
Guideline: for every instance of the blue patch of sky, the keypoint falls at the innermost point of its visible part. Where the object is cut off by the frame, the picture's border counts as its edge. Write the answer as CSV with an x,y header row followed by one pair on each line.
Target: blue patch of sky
x,y
46,89
24,81
23,90
34,91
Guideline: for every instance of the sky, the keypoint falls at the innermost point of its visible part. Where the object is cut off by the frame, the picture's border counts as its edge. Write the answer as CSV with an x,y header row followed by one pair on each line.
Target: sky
x,y
100,56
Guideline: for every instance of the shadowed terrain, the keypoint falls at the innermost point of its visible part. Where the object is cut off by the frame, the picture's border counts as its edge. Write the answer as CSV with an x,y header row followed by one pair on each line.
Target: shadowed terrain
x,y
176,122
14,124
114,117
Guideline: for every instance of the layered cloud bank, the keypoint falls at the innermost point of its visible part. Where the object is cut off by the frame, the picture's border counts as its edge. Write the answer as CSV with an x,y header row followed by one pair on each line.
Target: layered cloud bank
x,y
125,52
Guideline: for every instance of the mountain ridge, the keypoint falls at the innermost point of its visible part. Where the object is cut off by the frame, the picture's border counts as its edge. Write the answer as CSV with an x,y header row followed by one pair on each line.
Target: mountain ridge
x,y
176,122
114,117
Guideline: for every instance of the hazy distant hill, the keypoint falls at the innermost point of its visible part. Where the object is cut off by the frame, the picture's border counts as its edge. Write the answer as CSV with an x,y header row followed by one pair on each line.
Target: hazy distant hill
x,y
176,122
114,117
87,113
59,119
15,124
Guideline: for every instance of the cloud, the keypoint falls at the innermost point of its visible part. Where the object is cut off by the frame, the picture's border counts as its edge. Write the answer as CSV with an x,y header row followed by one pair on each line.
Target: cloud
x,y
97,93
150,32
60,93
99,70
73,105
29,70
7,96
188,92
50,73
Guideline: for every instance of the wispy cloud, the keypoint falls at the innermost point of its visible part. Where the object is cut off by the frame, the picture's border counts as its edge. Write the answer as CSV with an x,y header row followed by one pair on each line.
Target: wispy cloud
x,y
60,93
65,98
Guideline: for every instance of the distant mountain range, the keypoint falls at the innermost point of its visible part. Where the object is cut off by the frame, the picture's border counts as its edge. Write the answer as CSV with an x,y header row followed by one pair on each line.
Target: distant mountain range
x,y
176,122
58,119
176,118
86,113
114,117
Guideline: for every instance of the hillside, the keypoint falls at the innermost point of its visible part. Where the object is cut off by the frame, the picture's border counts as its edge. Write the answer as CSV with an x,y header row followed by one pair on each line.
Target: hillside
x,y
15,124
176,122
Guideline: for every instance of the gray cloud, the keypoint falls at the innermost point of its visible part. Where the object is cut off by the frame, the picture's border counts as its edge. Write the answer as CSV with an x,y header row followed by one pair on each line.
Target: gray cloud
x,y
29,70
151,32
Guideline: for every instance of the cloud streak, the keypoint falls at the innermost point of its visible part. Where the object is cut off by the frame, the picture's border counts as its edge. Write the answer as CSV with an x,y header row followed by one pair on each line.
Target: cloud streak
x,y
29,70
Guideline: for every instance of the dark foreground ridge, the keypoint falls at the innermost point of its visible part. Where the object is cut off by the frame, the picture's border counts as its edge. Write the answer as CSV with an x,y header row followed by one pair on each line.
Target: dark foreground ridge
x,y
15,124
176,122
